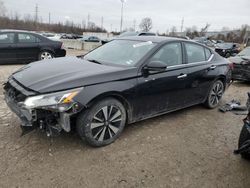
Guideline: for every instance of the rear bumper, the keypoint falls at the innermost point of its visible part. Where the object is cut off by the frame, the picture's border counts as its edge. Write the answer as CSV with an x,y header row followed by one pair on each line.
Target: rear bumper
x,y
60,53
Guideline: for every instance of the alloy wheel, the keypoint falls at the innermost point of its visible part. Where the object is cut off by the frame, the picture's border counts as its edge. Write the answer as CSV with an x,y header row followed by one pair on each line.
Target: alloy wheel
x,y
106,123
46,55
216,93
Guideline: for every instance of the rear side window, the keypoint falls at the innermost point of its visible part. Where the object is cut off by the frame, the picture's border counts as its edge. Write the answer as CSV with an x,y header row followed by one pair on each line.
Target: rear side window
x,y
26,38
7,38
195,53
208,54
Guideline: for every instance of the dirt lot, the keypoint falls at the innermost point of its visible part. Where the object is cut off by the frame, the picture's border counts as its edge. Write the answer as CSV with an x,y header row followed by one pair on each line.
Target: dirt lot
x,y
188,148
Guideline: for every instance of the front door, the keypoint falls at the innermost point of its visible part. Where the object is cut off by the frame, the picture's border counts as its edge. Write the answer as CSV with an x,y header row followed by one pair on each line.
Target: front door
x,y
165,90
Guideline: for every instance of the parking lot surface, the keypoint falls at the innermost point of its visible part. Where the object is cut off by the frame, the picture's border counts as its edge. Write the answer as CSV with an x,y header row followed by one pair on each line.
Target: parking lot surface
x,y
189,148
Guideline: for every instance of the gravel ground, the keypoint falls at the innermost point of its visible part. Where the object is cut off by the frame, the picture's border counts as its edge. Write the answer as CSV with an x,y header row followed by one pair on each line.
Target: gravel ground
x,y
189,148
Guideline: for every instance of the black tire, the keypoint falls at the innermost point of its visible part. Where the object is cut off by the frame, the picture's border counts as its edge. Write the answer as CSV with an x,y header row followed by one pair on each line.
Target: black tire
x,y
45,55
215,95
102,123
244,136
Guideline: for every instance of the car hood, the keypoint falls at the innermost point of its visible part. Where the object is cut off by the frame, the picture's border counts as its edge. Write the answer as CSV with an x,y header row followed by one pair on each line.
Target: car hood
x,y
65,73
239,59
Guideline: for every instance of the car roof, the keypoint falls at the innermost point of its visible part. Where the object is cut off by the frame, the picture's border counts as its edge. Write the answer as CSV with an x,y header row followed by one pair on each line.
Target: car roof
x,y
155,39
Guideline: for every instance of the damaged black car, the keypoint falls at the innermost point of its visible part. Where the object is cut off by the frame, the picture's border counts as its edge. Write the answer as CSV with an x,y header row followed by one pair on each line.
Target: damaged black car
x,y
241,63
124,81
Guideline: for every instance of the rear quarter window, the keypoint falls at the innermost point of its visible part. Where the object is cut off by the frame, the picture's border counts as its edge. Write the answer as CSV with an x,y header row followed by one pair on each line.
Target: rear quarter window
x,y
208,54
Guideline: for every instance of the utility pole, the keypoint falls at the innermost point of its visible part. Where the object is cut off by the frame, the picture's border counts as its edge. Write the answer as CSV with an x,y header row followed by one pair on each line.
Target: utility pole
x,y
102,23
36,13
49,17
111,27
134,23
182,23
88,20
122,1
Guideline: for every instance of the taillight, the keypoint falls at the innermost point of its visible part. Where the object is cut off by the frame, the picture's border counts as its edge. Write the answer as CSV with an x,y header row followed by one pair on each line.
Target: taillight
x,y
231,65
62,47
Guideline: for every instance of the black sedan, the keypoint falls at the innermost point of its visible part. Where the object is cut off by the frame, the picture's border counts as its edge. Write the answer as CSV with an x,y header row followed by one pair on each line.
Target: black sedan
x,y
241,63
227,49
121,82
25,47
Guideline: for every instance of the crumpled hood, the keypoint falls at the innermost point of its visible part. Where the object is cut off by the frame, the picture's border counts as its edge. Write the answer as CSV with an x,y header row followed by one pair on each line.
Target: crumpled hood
x,y
66,73
239,59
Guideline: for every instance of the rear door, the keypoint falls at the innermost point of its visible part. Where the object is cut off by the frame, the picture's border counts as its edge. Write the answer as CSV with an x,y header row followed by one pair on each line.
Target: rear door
x,y
28,47
7,48
202,72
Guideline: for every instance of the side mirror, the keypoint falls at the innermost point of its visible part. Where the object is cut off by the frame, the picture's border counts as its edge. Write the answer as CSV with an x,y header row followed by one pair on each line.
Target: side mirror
x,y
155,66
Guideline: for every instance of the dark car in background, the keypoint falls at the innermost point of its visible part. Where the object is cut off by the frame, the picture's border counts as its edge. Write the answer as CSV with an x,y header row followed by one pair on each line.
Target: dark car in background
x,y
205,41
124,81
90,39
241,62
227,49
134,33
25,47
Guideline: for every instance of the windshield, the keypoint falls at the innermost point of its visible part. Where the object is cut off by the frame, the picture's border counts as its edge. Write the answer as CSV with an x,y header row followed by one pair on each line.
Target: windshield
x,y
120,52
245,52
225,45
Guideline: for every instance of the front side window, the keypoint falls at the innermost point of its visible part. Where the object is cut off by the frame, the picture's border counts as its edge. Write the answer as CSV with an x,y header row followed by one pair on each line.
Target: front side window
x,y
121,52
170,54
26,38
7,38
195,53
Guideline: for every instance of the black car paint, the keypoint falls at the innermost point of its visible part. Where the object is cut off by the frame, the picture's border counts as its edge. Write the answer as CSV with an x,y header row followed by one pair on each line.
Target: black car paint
x,y
143,95
227,52
19,52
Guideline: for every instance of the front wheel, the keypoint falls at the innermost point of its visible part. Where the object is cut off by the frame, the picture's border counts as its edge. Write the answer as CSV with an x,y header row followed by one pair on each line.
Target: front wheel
x,y
103,123
215,94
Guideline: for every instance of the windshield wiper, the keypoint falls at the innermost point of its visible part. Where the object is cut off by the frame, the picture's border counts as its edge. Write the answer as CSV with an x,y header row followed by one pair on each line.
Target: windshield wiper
x,y
94,61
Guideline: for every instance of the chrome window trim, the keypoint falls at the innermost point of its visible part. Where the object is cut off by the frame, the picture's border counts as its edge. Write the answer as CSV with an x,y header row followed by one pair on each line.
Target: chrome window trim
x,y
195,63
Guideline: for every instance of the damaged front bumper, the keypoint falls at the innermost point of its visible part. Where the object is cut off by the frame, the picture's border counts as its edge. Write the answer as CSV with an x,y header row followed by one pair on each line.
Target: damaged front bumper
x,y
50,120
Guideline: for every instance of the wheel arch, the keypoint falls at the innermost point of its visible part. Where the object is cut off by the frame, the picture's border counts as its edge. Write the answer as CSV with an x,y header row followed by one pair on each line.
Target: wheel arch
x,y
118,96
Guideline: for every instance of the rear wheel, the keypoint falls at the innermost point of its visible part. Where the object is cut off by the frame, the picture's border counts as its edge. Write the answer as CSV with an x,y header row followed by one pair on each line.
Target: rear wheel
x,y
103,123
215,94
45,55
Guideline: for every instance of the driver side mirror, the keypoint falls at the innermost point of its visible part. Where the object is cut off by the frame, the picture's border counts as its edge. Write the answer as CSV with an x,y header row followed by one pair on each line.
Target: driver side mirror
x,y
154,66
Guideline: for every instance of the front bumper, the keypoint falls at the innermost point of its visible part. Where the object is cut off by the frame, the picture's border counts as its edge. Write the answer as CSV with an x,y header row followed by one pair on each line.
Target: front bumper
x,y
51,121
27,117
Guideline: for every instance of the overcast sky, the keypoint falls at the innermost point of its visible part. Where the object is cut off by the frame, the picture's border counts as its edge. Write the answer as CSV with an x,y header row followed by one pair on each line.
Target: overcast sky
x,y
164,13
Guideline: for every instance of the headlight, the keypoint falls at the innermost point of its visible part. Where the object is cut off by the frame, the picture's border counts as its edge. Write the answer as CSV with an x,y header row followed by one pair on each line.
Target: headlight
x,y
60,101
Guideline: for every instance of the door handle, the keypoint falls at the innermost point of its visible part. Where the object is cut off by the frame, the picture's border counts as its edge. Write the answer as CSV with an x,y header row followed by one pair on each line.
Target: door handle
x,y
182,76
212,67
